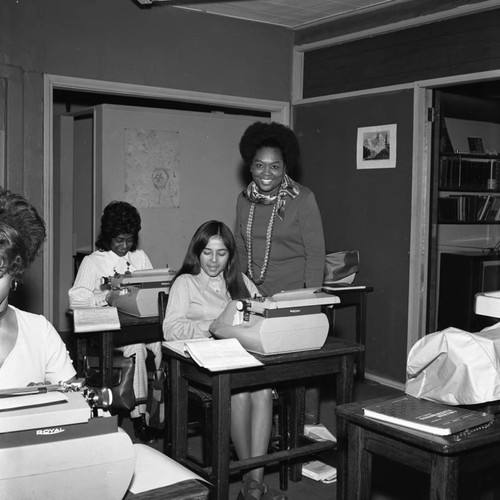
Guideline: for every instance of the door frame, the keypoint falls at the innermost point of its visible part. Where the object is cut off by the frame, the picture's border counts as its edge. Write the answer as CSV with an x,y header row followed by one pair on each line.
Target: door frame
x,y
421,196
279,111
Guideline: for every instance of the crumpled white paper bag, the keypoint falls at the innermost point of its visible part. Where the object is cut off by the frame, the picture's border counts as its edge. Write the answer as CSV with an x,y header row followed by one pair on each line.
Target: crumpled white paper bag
x,y
456,367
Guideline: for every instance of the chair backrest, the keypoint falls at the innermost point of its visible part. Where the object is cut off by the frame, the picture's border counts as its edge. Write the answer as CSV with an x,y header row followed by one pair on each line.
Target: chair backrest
x,y
162,306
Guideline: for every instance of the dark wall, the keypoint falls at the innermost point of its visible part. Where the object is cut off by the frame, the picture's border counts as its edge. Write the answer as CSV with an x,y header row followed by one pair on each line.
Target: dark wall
x,y
117,41
457,46
371,211
365,210
163,46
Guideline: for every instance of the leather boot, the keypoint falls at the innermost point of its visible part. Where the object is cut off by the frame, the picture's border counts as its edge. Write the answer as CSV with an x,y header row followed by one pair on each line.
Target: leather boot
x,y
141,430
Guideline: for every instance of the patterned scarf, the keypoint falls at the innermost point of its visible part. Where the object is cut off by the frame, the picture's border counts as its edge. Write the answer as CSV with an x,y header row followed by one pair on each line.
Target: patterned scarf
x,y
288,187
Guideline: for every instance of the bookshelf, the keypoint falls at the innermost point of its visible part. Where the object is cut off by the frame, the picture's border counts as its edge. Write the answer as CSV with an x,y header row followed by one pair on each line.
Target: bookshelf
x,y
469,189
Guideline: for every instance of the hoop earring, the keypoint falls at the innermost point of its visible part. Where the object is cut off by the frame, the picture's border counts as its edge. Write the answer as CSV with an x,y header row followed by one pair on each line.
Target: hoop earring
x,y
13,285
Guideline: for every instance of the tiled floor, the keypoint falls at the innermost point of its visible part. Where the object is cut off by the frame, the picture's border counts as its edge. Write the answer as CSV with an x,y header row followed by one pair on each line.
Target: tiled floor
x,y
307,489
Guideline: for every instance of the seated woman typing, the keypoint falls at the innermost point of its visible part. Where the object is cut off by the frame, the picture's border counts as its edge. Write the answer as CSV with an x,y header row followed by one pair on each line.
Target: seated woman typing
x,y
31,351
208,279
117,252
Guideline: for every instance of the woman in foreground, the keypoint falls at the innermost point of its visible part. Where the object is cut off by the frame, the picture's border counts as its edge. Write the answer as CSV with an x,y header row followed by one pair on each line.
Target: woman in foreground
x,y
31,351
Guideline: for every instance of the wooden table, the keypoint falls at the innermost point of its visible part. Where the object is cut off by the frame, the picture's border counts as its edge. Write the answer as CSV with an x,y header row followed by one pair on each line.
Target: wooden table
x,y
445,459
133,330
292,369
352,295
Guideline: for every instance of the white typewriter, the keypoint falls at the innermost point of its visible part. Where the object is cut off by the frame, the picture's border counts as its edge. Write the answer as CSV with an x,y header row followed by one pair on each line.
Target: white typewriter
x,y
136,293
285,322
51,446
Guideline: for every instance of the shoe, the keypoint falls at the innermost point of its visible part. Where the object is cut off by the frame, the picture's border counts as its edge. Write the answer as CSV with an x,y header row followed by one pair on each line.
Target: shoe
x,y
251,489
248,489
142,431
271,494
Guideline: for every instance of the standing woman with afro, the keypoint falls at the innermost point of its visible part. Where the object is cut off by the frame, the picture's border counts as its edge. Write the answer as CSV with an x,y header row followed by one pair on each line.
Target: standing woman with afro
x,y
279,233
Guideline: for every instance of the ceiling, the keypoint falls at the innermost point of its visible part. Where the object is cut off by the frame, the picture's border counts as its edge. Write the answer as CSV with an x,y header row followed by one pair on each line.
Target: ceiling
x,y
292,14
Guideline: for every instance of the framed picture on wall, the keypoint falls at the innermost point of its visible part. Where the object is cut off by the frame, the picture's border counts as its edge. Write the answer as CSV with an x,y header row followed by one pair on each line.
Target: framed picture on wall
x,y
376,147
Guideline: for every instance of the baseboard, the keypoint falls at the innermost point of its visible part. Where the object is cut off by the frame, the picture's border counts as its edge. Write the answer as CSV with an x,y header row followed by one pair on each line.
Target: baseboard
x,y
385,381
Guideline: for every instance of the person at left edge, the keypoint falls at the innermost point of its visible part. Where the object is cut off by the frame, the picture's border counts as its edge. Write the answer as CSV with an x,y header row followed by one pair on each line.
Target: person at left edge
x,y
117,252
31,350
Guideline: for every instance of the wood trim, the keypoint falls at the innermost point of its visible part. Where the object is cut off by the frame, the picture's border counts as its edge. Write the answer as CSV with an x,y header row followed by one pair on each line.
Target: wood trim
x,y
463,10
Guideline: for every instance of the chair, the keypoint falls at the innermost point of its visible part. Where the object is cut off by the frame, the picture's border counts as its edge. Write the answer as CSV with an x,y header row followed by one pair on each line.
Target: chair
x,y
201,402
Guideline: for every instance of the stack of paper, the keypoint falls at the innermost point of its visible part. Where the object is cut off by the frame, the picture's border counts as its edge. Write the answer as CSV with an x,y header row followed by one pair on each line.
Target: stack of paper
x,y
318,432
95,319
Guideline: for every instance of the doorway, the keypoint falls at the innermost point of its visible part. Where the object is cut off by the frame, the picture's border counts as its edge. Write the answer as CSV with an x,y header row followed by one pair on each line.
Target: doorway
x,y
66,95
463,228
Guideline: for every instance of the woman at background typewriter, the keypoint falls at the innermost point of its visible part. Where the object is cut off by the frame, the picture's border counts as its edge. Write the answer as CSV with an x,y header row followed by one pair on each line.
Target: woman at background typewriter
x,y
31,351
208,279
117,253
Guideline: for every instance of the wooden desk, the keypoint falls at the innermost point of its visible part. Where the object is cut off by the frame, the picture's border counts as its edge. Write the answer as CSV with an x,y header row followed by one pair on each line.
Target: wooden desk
x,y
291,369
133,330
443,458
356,297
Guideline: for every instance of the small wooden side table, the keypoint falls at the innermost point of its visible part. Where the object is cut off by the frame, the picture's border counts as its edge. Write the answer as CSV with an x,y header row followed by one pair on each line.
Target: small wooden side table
x,y
445,459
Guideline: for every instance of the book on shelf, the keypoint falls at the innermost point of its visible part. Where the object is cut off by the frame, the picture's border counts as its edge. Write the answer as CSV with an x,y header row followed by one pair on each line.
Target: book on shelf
x,y
484,207
215,355
427,416
95,319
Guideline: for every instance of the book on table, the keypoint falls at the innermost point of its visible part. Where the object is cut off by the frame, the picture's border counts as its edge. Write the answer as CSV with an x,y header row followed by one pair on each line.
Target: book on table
x,y
427,416
215,355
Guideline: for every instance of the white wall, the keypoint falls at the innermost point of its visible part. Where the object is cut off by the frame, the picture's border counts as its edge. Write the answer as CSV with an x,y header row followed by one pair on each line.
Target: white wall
x,y
209,173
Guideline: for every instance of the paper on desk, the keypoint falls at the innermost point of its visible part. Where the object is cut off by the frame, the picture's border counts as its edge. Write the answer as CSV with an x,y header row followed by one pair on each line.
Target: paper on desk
x,y
154,470
96,319
318,432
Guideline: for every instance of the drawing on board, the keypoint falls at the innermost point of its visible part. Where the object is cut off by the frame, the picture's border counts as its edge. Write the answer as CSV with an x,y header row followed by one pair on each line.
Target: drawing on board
x,y
152,168
376,147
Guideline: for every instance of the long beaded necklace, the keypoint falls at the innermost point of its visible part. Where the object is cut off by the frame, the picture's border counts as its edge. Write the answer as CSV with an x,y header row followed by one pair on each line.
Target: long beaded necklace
x,y
269,235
